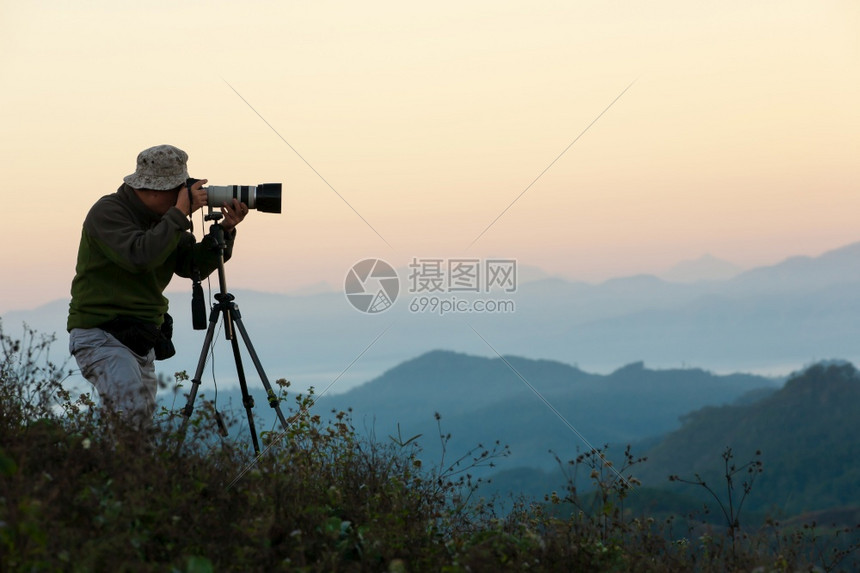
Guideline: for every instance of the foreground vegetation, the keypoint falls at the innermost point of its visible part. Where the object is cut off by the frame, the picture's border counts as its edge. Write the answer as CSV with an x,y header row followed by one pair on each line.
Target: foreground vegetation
x,y
81,492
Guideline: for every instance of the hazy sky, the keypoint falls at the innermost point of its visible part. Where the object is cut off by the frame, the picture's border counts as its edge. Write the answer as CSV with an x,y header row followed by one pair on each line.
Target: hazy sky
x,y
739,137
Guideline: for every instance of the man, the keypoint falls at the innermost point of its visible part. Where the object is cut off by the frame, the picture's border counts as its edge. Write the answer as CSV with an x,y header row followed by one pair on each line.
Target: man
x,y
133,242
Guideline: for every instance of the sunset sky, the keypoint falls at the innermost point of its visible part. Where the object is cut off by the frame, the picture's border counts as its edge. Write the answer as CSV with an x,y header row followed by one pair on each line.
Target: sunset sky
x,y
404,129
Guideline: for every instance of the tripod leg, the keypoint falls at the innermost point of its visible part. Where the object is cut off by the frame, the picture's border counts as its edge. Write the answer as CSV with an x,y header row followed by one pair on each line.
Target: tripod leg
x,y
273,400
231,315
198,374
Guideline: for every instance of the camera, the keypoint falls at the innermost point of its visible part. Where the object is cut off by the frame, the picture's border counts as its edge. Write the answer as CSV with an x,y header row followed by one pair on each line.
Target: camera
x,y
265,197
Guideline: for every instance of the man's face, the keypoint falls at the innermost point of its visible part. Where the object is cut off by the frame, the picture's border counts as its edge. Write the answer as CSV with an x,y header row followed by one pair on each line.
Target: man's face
x,y
160,201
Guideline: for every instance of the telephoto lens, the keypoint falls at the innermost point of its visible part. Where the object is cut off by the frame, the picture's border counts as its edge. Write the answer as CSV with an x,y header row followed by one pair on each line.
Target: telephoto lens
x,y
265,197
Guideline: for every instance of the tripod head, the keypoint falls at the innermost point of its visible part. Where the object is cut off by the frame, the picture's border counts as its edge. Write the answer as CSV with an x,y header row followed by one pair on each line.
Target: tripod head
x,y
216,231
212,215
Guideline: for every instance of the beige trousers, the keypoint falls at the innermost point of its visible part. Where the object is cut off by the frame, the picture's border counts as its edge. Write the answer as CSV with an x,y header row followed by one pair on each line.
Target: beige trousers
x,y
125,381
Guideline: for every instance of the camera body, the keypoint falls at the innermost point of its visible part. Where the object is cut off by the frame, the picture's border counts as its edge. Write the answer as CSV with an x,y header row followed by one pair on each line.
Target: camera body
x,y
265,197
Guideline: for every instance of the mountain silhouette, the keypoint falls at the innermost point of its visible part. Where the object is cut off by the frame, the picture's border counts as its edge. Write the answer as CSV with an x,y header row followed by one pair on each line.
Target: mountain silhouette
x,y
769,319
532,405
807,433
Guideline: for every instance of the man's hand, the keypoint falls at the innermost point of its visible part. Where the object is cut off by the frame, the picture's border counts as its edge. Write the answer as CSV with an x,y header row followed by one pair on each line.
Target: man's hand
x,y
199,197
233,213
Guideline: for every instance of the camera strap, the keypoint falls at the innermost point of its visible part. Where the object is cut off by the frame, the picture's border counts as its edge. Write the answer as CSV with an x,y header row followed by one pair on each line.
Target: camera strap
x,y
190,207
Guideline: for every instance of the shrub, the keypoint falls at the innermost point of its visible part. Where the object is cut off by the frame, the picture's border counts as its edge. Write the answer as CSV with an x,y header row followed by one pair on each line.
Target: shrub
x,y
80,491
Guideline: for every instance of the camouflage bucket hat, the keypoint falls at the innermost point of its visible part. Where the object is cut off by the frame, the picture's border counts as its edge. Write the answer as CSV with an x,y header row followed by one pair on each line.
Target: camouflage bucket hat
x,y
162,168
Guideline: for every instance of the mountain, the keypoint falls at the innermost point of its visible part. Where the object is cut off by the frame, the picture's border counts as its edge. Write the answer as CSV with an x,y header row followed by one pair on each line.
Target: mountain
x,y
481,400
771,319
835,267
806,432
705,268
786,327
315,288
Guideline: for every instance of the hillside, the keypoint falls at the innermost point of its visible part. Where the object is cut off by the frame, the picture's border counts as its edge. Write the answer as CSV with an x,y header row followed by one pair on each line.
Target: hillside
x,y
807,433
84,491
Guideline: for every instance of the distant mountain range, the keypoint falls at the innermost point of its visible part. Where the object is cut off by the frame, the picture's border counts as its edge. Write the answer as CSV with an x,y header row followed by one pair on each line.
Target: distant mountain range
x,y
769,320
705,268
531,405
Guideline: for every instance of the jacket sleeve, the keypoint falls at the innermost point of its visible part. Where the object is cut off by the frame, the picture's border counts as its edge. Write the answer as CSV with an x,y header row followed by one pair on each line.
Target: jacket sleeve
x,y
126,243
203,255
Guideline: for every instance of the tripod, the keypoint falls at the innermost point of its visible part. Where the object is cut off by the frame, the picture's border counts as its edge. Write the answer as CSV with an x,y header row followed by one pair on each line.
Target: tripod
x,y
226,307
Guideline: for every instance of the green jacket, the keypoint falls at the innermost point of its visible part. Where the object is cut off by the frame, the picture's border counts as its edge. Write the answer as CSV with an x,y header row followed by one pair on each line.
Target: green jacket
x,y
127,256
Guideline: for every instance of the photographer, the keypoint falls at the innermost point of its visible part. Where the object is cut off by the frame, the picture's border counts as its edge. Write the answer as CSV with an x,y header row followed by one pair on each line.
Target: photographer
x,y
133,242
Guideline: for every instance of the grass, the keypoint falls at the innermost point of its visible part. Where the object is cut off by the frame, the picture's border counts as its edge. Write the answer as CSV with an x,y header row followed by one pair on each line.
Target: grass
x,y
79,491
